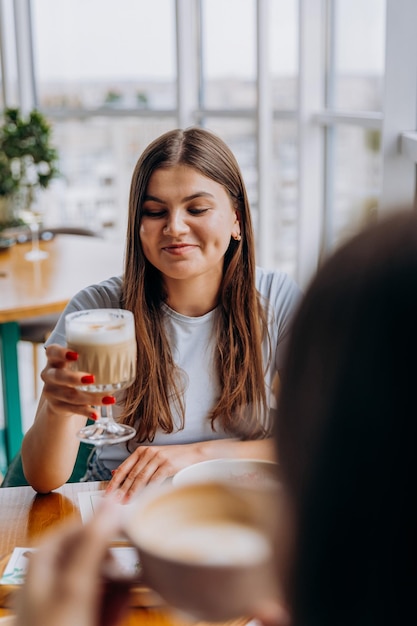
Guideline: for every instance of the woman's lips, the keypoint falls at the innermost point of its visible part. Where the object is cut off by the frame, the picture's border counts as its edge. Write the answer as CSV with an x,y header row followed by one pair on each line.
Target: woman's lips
x,y
179,248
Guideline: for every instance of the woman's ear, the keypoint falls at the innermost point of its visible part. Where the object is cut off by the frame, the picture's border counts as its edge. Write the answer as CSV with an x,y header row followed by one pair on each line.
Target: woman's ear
x,y
236,234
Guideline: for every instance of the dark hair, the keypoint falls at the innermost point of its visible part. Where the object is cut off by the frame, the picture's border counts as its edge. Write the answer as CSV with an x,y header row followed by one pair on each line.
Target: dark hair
x,y
347,433
241,321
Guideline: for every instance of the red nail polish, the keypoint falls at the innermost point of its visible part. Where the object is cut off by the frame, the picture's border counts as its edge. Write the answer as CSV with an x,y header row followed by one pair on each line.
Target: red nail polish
x,y
87,379
108,400
113,472
71,356
93,416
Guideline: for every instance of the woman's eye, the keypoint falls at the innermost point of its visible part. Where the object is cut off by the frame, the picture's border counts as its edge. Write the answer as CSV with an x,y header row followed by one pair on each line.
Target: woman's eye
x,y
197,211
153,213
158,213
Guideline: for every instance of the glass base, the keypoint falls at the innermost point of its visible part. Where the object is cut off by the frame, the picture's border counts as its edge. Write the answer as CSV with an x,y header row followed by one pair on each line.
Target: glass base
x,y
105,432
36,255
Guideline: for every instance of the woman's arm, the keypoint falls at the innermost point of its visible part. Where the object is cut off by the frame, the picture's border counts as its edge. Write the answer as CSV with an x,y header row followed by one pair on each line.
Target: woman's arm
x,y
153,464
49,448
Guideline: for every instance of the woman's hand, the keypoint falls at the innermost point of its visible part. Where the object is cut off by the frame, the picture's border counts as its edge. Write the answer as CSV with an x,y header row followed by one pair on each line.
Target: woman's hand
x,y
151,464
64,584
50,446
60,383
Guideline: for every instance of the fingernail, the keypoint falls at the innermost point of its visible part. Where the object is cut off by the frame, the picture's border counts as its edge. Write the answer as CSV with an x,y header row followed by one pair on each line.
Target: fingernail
x,y
71,356
87,379
108,400
93,416
113,472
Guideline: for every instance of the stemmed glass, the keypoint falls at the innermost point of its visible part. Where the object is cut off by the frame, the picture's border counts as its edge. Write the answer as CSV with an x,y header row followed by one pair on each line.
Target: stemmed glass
x,y
105,341
33,216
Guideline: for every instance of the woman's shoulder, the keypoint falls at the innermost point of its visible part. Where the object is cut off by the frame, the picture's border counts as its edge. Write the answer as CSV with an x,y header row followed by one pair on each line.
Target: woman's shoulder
x,y
106,294
281,296
272,283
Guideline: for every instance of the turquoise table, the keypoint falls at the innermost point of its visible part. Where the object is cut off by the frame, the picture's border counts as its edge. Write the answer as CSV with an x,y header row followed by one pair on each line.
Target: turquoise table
x,y
35,288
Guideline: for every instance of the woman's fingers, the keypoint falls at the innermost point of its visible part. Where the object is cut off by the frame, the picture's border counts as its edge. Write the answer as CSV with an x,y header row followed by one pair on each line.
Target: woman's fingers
x,y
59,356
61,383
67,378
147,464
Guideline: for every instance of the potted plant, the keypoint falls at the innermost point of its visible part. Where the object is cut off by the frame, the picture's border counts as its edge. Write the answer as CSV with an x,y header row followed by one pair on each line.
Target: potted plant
x,y
28,162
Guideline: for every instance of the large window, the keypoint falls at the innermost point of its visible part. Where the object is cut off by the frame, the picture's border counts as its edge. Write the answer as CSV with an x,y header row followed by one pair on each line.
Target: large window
x,y
228,58
231,96
354,84
309,94
112,53
358,54
97,64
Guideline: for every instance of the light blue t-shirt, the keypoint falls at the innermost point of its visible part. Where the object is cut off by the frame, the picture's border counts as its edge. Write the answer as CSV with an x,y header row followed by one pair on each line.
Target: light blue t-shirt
x,y
193,348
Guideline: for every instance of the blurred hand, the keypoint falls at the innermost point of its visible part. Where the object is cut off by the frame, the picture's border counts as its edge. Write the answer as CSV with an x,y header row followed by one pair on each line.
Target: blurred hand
x,y
64,585
273,614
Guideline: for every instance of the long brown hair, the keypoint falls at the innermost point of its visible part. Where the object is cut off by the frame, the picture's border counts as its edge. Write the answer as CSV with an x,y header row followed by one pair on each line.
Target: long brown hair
x,y
240,321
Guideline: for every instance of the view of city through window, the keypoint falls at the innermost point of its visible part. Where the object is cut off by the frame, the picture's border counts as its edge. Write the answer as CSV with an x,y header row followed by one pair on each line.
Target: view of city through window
x,y
106,76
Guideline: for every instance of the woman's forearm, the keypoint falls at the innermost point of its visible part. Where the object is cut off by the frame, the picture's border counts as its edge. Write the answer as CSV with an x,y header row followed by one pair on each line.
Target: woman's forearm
x,y
263,449
50,447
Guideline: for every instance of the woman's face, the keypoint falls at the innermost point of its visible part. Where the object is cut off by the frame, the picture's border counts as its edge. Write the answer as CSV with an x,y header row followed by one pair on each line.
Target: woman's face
x,y
186,225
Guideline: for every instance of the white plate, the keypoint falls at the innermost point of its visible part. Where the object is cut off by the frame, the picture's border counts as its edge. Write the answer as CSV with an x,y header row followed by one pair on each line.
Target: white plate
x,y
9,620
250,472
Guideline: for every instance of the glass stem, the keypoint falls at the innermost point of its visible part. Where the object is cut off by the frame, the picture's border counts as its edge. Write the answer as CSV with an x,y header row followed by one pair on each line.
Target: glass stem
x,y
34,229
109,412
109,408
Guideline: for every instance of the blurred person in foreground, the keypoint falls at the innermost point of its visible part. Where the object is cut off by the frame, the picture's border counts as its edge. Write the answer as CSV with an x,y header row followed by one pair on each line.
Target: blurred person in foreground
x,y
347,442
211,329
347,436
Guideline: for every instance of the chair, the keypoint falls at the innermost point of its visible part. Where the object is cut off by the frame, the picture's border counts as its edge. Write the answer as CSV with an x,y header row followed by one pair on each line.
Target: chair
x,y
36,330
68,230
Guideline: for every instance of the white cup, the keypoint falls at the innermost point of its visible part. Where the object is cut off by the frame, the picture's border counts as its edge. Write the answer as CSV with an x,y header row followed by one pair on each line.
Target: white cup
x,y
207,549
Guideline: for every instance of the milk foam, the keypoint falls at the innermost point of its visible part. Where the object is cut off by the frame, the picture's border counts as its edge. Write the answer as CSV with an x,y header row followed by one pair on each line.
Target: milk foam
x,y
223,543
99,333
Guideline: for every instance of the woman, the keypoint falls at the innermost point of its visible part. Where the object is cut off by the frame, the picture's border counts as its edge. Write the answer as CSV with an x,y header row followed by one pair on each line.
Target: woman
x,y
211,328
347,436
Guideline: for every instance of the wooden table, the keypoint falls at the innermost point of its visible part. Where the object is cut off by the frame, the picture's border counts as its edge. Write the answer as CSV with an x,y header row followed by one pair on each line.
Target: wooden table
x,y
34,288
25,516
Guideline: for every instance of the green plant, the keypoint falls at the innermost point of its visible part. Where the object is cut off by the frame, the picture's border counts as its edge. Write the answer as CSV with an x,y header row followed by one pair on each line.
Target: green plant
x,y
112,96
28,161
142,99
8,184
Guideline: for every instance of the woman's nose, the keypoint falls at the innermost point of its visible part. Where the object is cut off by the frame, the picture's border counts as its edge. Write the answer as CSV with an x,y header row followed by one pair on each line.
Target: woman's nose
x,y
176,224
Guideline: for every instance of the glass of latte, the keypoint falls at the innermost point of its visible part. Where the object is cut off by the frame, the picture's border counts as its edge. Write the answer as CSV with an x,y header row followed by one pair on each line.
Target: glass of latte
x,y
105,341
